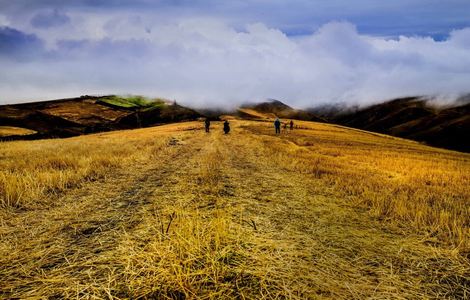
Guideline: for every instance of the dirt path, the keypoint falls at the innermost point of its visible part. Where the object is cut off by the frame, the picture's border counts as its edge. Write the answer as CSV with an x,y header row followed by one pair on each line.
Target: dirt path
x,y
212,217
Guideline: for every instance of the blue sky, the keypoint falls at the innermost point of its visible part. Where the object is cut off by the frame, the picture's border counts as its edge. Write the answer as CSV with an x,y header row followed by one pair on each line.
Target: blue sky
x,y
227,52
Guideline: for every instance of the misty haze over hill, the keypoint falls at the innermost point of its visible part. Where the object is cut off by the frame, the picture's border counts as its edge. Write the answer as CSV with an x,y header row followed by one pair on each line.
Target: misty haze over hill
x,y
206,53
422,119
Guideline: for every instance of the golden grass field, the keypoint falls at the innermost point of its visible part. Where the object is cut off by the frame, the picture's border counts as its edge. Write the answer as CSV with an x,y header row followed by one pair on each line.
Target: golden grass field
x,y
10,130
170,212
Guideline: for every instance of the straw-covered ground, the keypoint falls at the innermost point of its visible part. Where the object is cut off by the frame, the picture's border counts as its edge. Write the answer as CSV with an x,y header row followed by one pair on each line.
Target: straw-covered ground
x,y
10,130
172,212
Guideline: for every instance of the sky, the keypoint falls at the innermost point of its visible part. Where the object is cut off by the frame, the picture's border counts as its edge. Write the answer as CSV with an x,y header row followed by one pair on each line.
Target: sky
x,y
223,53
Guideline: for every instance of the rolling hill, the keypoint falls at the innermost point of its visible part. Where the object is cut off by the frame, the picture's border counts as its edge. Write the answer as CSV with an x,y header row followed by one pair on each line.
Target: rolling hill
x,y
275,108
412,118
87,114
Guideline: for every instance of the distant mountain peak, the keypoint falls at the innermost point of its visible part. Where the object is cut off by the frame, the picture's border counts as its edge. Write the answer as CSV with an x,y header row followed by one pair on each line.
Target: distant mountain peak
x,y
275,101
268,103
275,108
271,106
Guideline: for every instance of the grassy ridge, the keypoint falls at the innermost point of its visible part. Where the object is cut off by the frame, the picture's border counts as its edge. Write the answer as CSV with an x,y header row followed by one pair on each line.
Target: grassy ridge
x,y
397,179
319,212
132,102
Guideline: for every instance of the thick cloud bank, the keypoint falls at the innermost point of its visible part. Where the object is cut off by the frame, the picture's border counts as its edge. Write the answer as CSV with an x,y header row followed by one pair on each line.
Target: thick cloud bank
x,y
208,62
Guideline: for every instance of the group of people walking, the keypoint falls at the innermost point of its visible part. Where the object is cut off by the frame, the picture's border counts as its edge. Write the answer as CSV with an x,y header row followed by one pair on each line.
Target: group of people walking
x,y
207,124
277,125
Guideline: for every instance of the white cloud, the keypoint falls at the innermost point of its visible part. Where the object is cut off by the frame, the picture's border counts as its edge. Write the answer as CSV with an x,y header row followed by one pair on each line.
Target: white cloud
x,y
4,20
207,62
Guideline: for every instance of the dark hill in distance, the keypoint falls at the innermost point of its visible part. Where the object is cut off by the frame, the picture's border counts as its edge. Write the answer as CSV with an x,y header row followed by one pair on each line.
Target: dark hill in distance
x,y
412,118
275,108
88,114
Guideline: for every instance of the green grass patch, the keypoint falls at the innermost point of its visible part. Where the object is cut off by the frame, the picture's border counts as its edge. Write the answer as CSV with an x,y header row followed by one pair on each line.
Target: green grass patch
x,y
133,102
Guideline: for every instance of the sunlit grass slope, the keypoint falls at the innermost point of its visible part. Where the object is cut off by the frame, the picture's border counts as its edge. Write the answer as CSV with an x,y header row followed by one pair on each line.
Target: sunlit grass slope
x,y
10,130
170,212
32,173
397,179
132,101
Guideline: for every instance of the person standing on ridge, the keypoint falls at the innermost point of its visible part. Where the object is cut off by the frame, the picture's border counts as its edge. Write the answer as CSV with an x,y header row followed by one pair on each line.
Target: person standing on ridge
x,y
207,123
291,124
226,127
277,125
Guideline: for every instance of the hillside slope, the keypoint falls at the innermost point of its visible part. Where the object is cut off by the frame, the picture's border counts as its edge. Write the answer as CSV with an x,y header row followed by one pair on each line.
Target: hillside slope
x,y
88,114
412,118
275,108
171,212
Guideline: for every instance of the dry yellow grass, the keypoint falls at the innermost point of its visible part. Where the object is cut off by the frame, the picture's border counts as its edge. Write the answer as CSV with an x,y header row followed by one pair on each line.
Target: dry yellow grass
x,y
413,188
10,130
396,178
32,172
170,212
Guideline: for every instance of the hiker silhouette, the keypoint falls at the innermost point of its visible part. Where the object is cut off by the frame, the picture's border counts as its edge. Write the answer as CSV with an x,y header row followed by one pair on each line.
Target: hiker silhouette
x,y
226,127
207,123
291,124
277,125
